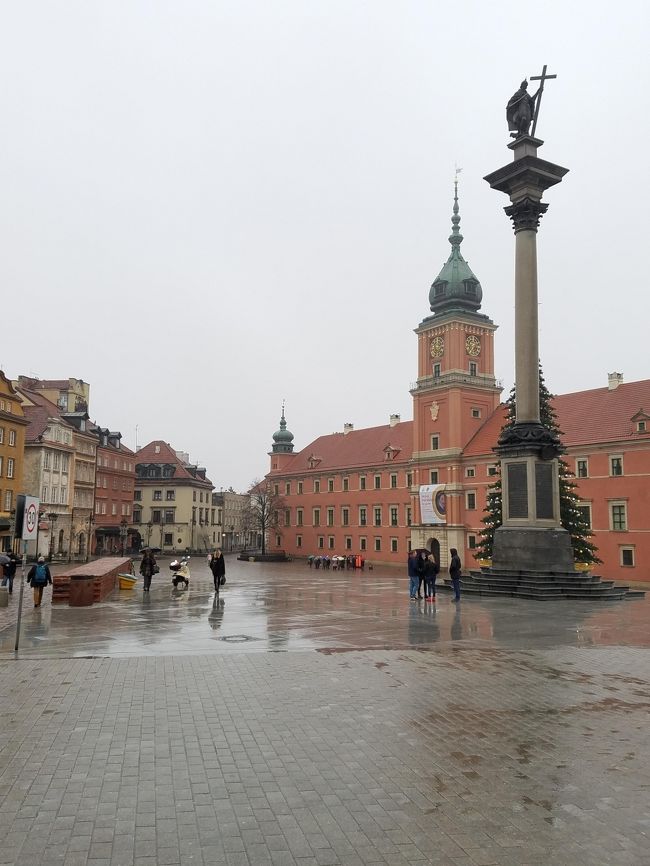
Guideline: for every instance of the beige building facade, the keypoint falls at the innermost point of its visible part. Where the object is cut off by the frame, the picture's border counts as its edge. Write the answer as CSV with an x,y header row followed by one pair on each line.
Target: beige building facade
x,y
172,507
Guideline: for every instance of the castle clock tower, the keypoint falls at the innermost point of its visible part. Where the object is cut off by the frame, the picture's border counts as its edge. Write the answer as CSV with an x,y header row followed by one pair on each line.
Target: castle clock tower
x,y
454,393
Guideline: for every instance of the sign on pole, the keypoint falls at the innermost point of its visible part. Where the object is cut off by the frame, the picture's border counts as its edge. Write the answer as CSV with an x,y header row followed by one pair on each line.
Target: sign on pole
x,y
27,508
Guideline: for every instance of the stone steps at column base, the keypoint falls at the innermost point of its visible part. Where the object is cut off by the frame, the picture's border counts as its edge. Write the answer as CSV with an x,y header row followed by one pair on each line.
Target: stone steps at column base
x,y
541,587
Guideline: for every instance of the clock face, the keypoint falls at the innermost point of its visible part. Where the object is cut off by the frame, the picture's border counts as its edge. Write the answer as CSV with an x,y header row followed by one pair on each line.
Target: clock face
x,y
437,347
473,345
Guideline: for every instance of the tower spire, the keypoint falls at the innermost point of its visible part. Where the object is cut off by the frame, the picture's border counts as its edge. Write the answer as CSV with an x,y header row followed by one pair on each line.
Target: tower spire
x,y
455,287
283,438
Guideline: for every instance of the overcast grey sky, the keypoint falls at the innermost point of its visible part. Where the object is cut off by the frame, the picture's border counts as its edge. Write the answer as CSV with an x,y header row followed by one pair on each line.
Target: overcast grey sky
x,y
207,207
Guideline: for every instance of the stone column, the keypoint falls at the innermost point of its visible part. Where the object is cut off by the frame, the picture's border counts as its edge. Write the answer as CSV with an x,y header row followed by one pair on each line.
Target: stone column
x,y
531,537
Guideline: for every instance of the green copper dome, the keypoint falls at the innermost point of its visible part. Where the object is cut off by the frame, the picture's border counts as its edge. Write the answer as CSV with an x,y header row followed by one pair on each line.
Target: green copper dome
x,y
455,287
282,438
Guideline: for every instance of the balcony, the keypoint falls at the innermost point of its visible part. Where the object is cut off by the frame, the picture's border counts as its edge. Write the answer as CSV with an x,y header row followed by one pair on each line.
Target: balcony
x,y
446,379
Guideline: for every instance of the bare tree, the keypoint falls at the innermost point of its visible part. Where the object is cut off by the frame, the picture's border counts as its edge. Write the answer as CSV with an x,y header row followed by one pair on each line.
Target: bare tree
x,y
262,514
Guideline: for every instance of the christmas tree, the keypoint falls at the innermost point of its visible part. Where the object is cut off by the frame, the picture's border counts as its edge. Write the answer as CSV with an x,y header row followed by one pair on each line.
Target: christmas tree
x,y
571,517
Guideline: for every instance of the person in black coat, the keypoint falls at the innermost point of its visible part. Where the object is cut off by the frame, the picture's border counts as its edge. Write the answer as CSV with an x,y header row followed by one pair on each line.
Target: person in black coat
x,y
454,573
430,573
218,568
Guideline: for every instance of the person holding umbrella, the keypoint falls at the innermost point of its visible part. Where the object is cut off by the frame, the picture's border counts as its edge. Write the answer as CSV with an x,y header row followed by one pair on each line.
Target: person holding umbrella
x,y
8,564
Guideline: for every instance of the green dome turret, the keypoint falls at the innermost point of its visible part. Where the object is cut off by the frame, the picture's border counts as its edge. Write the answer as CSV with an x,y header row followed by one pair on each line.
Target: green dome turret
x,y
455,288
282,438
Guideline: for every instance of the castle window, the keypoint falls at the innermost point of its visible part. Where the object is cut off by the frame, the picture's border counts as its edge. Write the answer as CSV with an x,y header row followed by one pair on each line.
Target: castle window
x,y
439,290
362,543
330,485
615,466
470,472
582,468
627,557
362,482
641,427
435,443
346,485
393,480
393,545
473,368
476,413
618,516
433,476
585,513
436,370
298,540
471,501
471,542
316,486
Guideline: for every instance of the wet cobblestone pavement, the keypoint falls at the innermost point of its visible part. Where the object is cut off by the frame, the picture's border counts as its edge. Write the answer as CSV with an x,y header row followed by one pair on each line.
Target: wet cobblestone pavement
x,y
318,719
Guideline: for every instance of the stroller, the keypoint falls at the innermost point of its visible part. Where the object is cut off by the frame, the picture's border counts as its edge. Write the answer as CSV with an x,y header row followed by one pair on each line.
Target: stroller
x,y
180,570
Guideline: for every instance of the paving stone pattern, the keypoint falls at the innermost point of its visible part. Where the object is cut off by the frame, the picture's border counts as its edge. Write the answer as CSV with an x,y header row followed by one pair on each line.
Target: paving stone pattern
x,y
458,752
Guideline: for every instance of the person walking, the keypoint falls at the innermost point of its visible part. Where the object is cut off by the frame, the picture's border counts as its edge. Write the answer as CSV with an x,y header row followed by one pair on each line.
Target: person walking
x,y
148,567
412,570
421,569
454,573
431,570
218,568
10,572
39,576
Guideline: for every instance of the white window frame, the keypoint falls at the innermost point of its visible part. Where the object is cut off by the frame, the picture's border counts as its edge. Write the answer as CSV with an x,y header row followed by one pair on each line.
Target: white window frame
x,y
613,474
470,472
616,503
586,505
580,460
471,493
628,548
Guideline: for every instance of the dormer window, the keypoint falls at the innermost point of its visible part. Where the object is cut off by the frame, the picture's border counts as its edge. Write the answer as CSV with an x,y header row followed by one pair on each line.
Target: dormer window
x,y
439,289
470,287
641,426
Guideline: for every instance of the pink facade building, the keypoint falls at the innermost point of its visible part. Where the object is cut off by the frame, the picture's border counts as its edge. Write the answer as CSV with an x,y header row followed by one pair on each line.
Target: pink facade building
x,y
382,491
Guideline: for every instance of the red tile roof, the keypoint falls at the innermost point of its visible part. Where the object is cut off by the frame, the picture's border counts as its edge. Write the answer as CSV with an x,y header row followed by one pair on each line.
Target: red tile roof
x,y
356,448
585,417
39,414
166,454
601,415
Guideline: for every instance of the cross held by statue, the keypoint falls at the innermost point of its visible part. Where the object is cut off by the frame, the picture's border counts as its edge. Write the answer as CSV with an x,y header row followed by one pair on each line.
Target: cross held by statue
x,y
541,78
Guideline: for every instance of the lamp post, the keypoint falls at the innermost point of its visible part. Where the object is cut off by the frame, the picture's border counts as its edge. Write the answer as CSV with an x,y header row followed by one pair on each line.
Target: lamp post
x,y
52,515
91,520
123,530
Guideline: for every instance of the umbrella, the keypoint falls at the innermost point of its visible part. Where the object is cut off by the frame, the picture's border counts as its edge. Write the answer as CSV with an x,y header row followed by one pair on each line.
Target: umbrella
x,y
4,560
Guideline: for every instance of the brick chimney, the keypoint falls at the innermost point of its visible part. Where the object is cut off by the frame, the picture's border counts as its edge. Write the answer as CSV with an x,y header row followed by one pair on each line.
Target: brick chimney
x,y
614,380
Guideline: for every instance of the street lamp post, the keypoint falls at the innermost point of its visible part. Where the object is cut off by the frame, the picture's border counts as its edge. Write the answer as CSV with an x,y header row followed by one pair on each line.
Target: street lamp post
x,y
91,520
52,515
123,530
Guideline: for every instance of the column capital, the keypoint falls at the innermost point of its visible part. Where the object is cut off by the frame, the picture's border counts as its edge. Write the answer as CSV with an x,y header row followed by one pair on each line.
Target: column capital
x,y
526,214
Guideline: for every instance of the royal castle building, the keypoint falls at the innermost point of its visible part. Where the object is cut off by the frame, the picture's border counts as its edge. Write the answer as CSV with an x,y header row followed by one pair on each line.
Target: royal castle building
x,y
382,491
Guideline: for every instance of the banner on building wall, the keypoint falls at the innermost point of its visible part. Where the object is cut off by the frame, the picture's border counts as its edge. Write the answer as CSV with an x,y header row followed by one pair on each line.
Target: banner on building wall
x,y
433,503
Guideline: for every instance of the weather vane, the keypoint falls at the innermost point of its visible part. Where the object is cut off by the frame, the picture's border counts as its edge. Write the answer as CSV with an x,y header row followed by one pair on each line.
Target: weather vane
x,y
523,109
